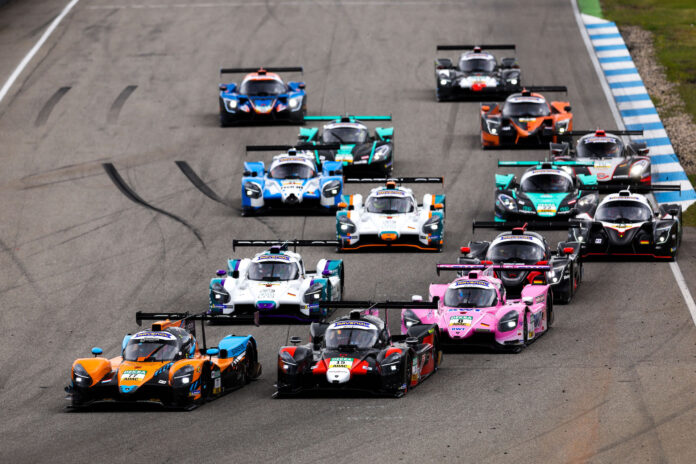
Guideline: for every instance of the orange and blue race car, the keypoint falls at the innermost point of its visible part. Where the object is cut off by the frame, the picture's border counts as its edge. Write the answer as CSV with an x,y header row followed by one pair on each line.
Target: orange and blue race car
x,y
525,119
165,365
261,97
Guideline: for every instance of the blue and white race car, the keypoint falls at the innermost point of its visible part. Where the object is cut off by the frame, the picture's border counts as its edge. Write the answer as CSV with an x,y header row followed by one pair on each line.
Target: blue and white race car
x,y
293,182
262,97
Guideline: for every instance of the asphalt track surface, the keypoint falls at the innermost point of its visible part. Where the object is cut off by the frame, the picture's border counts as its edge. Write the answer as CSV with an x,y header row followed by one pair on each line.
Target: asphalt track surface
x,y
613,381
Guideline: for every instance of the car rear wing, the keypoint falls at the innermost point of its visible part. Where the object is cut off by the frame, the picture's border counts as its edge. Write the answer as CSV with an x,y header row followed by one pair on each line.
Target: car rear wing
x,y
185,320
399,180
283,244
546,88
300,146
495,267
531,224
368,306
579,133
252,70
633,188
358,117
481,46
545,163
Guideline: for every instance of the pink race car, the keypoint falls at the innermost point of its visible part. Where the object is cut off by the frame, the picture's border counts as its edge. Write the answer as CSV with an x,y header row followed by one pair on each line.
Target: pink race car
x,y
473,310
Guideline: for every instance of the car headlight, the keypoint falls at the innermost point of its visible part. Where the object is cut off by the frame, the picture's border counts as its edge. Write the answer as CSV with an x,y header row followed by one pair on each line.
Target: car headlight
x,y
555,274
287,358
295,102
562,126
313,293
380,153
345,225
183,376
492,125
662,234
587,201
513,81
391,360
231,104
410,318
219,294
508,322
81,377
252,190
638,168
507,201
331,188
443,81
432,224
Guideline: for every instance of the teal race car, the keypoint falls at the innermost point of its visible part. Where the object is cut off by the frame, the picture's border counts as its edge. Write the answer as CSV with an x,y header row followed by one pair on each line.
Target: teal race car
x,y
548,192
362,154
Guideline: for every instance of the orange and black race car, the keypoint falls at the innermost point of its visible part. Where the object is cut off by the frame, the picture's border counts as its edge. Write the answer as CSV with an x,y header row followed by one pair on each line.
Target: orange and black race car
x,y
525,119
165,365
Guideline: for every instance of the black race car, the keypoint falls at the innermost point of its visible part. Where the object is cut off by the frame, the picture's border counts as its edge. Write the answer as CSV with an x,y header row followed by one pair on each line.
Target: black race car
x,y
525,247
357,352
477,75
626,225
613,162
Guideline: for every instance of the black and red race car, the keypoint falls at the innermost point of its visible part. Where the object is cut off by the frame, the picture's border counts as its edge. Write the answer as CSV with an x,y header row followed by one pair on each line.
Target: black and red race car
x,y
358,353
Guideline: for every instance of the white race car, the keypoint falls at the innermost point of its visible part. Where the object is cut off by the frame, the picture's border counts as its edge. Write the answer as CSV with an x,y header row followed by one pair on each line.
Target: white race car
x,y
275,283
391,217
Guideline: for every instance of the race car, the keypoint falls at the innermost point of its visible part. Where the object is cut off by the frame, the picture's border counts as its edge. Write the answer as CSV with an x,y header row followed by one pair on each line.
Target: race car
x,y
165,365
357,352
293,182
475,310
526,119
626,225
521,246
477,74
548,190
262,96
359,152
614,162
391,217
275,283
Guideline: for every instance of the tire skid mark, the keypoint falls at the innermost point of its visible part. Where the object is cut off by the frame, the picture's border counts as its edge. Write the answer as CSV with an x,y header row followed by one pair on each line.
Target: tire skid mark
x,y
197,182
49,105
117,105
17,261
116,178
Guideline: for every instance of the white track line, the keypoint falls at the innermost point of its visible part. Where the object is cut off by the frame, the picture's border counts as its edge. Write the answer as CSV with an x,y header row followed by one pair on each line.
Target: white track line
x,y
674,266
23,64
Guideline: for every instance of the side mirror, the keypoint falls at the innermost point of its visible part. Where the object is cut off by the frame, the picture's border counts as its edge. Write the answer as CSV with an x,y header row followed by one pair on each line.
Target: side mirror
x,y
412,342
465,250
221,273
301,85
96,351
435,206
343,205
674,211
567,108
295,340
223,87
247,173
416,298
485,108
528,300
212,351
568,250
235,274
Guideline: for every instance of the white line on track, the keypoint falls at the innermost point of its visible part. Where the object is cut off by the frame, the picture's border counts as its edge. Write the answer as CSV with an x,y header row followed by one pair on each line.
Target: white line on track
x,y
678,276
23,64
237,4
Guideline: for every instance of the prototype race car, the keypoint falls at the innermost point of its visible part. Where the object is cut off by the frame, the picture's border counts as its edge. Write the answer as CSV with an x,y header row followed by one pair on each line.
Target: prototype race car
x,y
526,119
477,74
358,151
626,225
391,217
262,97
474,309
546,191
613,161
165,365
357,352
293,182
520,246
275,283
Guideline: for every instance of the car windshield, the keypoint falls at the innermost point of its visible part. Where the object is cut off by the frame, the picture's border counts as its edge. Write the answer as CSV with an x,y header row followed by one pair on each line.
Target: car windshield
x,y
515,252
546,183
389,205
623,211
269,271
150,349
471,297
262,88
530,109
342,337
345,135
600,147
292,171
477,65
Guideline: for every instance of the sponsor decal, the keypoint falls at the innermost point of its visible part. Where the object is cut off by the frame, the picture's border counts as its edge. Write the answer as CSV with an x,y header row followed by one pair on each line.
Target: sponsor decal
x,y
157,335
273,257
540,298
292,159
602,164
526,100
133,375
415,371
353,325
390,192
517,237
267,293
546,208
344,363
471,283
461,321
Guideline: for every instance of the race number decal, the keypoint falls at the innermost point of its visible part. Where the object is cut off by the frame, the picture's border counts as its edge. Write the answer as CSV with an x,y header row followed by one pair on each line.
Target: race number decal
x,y
133,376
345,363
